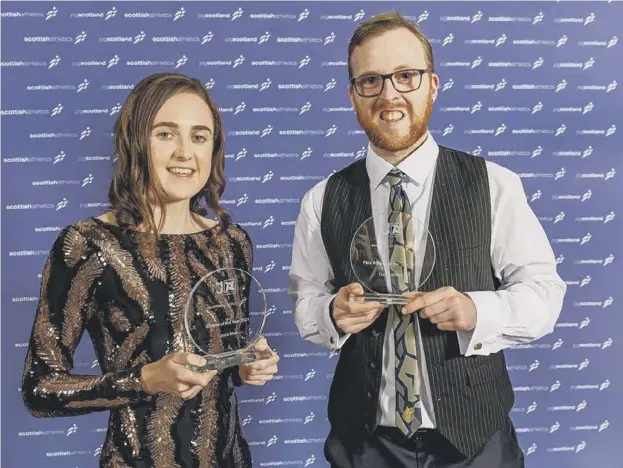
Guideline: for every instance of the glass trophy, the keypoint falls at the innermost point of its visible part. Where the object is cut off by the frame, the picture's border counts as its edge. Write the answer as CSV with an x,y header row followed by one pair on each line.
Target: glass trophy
x,y
224,317
391,254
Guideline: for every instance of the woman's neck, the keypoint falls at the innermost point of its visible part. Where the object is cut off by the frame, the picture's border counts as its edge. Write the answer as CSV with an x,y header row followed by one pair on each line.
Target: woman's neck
x,y
178,220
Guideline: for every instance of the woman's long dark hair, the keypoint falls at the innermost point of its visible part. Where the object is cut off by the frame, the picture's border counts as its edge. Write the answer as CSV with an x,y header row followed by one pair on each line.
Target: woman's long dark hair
x,y
134,189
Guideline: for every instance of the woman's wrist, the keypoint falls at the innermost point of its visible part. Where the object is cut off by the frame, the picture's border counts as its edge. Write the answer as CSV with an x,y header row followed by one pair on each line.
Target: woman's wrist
x,y
144,378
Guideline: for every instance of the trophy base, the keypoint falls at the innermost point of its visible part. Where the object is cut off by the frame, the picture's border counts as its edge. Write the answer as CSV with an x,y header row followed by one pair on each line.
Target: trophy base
x,y
385,299
224,362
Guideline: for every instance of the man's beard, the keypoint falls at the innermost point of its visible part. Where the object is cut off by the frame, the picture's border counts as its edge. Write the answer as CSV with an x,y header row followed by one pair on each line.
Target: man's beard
x,y
391,141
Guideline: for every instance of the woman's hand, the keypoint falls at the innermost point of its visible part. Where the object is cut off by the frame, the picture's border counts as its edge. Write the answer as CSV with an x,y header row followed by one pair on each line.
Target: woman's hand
x,y
169,375
261,371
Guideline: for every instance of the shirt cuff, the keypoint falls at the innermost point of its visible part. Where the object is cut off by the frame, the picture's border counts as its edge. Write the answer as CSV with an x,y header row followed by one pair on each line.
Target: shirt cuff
x,y
489,317
328,328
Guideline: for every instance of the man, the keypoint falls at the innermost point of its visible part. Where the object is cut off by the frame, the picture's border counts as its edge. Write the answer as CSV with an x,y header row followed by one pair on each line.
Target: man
x,y
493,285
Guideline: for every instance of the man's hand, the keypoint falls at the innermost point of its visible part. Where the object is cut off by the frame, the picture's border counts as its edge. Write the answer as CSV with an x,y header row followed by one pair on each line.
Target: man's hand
x,y
446,307
352,317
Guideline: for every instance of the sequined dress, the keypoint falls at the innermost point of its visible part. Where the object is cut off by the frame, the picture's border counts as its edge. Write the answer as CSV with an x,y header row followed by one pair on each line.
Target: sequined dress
x,y
129,295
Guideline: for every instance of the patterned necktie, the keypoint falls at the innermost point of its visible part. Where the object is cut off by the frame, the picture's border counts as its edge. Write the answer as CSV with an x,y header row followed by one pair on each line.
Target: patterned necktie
x,y
408,415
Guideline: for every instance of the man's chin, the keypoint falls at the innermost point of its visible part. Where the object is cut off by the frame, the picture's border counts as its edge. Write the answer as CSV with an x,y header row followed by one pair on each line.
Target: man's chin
x,y
395,140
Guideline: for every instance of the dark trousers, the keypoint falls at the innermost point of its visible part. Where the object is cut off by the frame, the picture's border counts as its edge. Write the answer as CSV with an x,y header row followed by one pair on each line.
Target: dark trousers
x,y
387,448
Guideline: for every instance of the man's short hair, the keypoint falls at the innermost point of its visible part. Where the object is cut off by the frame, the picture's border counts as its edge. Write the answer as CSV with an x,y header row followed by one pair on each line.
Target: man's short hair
x,y
379,24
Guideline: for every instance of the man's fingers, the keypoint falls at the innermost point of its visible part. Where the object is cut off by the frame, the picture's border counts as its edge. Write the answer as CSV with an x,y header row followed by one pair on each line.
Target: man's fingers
x,y
413,294
445,316
435,309
355,289
368,317
416,304
362,308
427,299
450,325
358,307
360,321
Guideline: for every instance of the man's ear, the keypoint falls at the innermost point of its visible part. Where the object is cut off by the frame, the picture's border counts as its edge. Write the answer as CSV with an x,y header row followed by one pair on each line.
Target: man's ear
x,y
434,85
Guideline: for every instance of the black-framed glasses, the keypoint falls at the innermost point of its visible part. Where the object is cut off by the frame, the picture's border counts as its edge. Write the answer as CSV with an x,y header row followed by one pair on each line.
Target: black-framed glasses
x,y
403,81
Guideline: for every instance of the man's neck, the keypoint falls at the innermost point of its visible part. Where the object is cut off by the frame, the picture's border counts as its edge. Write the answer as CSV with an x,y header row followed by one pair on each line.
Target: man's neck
x,y
396,157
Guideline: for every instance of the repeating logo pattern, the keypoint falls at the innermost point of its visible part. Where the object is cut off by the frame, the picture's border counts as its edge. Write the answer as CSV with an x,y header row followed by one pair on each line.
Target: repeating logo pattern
x,y
535,87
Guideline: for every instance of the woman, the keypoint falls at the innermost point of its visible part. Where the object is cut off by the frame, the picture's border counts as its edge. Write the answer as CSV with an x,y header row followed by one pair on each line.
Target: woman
x,y
125,277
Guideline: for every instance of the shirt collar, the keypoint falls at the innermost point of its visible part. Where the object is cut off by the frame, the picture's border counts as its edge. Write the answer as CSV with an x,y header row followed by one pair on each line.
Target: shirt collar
x,y
417,166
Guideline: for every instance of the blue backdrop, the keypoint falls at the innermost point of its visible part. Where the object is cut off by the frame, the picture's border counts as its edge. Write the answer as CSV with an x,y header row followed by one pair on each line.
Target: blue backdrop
x,y
534,86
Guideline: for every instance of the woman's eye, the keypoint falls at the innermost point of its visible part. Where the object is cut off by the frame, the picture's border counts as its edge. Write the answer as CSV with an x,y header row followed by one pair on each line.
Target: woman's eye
x,y
201,138
164,135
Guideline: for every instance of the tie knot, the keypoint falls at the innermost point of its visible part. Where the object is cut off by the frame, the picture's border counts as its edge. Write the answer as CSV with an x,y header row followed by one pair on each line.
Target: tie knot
x,y
395,177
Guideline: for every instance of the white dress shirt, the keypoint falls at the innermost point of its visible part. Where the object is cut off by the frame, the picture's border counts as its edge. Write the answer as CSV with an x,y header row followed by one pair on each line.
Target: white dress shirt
x,y
525,308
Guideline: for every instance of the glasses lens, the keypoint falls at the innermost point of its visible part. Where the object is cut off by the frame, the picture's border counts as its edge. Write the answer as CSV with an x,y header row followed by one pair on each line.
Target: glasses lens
x,y
369,85
406,80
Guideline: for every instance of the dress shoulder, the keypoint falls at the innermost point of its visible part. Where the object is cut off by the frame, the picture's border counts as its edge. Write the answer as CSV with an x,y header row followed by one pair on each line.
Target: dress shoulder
x,y
242,245
90,229
240,233
79,241
73,243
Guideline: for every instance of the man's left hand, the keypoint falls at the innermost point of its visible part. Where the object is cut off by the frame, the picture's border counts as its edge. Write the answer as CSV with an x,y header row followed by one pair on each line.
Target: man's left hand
x,y
446,307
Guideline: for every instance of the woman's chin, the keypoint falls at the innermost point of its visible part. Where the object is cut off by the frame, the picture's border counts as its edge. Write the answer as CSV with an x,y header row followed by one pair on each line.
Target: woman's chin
x,y
178,196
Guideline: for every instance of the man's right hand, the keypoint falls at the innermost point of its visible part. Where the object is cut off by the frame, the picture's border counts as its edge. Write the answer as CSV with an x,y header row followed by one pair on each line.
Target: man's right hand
x,y
354,316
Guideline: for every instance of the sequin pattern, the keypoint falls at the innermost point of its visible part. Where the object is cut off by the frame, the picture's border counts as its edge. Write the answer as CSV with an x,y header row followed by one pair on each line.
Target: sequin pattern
x,y
102,280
